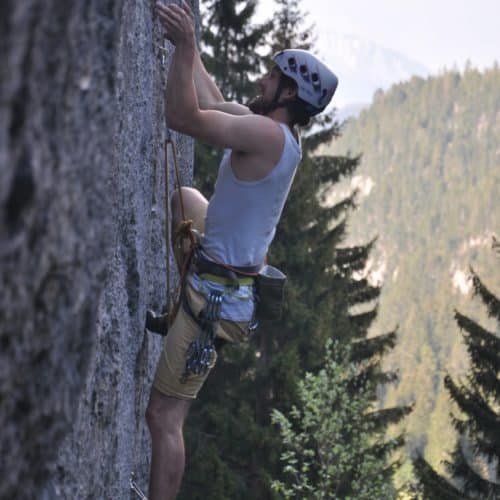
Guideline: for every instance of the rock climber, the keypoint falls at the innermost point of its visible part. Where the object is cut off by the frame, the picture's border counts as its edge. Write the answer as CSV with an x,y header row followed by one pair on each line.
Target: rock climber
x,y
236,227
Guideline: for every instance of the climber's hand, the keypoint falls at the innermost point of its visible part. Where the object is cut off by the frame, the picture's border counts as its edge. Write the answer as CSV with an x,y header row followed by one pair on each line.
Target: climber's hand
x,y
178,22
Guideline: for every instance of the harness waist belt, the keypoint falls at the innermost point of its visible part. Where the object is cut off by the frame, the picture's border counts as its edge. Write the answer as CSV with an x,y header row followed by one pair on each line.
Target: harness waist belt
x,y
226,281
202,265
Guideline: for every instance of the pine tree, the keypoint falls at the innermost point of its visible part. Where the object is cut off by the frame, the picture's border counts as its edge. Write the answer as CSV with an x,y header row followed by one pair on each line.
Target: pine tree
x,y
232,41
478,398
329,454
291,28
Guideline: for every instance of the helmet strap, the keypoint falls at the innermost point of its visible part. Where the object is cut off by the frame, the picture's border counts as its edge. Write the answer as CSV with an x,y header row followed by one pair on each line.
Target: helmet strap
x,y
276,103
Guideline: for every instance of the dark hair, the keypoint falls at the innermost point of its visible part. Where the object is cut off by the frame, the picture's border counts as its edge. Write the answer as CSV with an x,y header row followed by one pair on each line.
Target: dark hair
x,y
296,107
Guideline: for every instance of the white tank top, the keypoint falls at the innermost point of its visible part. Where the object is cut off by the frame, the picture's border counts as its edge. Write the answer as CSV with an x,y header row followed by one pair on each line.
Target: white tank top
x,y
242,216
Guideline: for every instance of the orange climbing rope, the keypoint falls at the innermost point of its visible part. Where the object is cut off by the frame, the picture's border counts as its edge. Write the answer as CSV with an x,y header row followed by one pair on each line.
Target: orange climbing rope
x,y
182,232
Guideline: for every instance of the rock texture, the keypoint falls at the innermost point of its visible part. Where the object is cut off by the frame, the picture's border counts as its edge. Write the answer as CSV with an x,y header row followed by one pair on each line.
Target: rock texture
x,y
82,252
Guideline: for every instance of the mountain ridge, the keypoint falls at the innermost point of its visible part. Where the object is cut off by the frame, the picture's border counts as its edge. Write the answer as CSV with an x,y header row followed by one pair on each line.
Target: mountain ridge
x,y
364,66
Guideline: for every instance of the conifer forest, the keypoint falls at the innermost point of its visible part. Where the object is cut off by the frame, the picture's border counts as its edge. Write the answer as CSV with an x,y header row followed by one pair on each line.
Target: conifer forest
x,y
381,379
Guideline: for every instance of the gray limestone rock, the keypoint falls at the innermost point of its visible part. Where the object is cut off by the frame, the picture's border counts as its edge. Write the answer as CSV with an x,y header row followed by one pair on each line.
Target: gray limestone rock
x,y
82,248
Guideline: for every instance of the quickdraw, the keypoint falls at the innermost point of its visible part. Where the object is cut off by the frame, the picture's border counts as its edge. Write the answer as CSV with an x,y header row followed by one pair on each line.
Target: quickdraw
x,y
201,352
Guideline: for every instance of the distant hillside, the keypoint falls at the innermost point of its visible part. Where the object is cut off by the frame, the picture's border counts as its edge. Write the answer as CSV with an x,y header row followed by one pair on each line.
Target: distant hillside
x,y
429,187
364,66
350,111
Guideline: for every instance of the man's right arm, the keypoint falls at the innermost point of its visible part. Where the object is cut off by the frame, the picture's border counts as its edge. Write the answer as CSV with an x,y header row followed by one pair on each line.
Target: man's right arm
x,y
209,96
207,92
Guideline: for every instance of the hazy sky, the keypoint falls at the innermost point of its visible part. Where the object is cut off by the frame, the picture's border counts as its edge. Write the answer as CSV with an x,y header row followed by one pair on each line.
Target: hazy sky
x,y
436,33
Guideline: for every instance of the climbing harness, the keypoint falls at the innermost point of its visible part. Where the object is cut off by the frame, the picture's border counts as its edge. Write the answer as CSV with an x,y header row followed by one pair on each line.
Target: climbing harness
x,y
201,352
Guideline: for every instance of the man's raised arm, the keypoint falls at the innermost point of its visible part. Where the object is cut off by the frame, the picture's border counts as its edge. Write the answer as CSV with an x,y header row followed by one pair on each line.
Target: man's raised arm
x,y
207,91
208,94
250,133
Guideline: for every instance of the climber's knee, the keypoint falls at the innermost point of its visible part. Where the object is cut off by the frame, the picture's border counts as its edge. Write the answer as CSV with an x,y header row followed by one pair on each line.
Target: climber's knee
x,y
190,197
164,414
195,207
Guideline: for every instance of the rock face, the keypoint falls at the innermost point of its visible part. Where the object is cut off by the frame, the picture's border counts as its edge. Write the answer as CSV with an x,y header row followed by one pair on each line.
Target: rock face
x,y
81,243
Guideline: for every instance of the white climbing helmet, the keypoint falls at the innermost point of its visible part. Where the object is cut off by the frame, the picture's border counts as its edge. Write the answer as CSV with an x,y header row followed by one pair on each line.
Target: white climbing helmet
x,y
315,81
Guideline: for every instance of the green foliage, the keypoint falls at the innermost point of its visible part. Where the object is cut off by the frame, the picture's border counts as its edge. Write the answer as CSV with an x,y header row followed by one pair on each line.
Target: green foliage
x,y
432,486
291,28
430,147
232,43
329,439
474,463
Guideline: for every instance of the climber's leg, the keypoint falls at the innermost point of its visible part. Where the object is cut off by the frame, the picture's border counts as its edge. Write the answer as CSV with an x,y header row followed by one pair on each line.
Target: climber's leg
x,y
195,209
165,417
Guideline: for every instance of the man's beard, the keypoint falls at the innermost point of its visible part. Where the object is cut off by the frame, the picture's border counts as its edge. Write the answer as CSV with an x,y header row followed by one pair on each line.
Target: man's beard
x,y
259,106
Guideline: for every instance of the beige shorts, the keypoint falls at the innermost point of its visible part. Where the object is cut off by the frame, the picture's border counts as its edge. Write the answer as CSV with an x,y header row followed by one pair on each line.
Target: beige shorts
x,y
171,365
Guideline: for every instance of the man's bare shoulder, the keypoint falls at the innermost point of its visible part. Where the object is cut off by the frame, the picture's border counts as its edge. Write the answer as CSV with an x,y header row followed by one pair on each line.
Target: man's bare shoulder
x,y
232,108
264,134
249,133
265,129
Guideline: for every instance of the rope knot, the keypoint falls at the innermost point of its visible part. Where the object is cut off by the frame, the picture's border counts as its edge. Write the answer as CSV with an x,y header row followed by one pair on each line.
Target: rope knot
x,y
184,228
